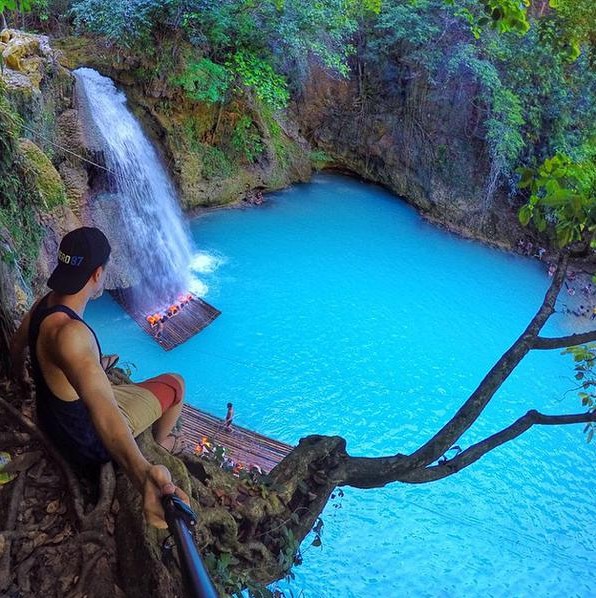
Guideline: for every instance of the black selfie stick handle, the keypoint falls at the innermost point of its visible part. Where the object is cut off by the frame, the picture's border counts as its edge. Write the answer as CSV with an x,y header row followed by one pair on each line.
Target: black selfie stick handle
x,y
180,518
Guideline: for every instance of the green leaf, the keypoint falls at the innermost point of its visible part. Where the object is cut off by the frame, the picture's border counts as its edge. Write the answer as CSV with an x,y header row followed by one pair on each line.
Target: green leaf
x,y
525,213
527,176
539,220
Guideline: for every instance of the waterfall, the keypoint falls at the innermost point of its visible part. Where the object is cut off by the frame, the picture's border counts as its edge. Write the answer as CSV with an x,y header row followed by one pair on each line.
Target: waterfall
x,y
153,237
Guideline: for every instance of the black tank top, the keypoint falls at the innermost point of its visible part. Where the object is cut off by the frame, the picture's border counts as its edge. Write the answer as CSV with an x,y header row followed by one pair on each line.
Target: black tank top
x,y
67,423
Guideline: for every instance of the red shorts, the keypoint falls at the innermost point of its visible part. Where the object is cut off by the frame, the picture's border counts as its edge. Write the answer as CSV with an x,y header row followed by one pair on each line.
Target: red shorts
x,y
166,388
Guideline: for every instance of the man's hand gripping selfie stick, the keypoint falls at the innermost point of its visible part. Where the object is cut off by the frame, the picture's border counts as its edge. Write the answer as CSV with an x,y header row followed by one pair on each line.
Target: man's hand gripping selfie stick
x,y
181,519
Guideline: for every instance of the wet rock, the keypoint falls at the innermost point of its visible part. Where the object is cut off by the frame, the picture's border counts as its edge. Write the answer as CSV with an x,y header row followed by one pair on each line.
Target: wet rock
x,y
75,181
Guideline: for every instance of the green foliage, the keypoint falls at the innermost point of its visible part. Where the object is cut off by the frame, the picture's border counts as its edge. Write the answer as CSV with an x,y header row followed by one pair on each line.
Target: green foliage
x,y
505,115
19,5
41,8
558,98
216,165
281,145
258,74
125,22
204,81
503,127
575,24
321,30
319,159
549,30
193,130
584,357
265,41
246,140
502,15
412,30
563,193
17,196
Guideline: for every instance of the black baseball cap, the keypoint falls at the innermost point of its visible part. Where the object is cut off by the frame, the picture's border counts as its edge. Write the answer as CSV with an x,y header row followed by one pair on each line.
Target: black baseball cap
x,y
81,252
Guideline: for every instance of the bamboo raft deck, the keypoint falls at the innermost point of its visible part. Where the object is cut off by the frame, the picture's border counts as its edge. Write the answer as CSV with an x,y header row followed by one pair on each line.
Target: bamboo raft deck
x,y
242,446
190,320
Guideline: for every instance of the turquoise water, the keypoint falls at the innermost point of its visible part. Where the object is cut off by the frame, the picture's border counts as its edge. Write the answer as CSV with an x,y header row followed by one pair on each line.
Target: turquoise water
x,y
345,313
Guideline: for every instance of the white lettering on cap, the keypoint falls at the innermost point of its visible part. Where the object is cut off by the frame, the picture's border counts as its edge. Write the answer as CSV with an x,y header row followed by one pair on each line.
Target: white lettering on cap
x,y
73,260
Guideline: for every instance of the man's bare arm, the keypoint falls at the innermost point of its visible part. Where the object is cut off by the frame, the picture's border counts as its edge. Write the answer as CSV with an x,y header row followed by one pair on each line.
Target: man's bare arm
x,y
76,356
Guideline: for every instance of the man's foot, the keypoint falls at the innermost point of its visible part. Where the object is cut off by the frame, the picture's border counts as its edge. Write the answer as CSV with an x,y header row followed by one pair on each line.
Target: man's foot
x,y
108,362
174,443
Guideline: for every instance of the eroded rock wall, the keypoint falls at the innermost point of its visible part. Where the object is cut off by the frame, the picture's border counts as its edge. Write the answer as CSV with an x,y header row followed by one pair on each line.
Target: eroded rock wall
x,y
424,142
195,139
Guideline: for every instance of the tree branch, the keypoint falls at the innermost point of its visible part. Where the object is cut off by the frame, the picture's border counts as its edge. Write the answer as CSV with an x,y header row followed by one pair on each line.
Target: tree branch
x,y
364,472
476,451
560,342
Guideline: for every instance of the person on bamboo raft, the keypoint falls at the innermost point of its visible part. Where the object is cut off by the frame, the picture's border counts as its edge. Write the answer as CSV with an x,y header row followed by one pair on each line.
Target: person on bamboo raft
x,y
87,418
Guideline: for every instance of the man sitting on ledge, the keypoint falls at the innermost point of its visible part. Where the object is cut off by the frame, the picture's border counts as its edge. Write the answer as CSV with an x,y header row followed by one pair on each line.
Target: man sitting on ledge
x,y
86,417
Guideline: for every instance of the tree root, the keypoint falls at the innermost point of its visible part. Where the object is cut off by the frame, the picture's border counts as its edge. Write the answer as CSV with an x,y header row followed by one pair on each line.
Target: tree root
x,y
11,519
23,580
107,487
73,485
88,567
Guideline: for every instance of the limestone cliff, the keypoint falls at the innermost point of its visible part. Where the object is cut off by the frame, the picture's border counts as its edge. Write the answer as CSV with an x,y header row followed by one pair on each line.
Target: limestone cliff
x,y
423,142
196,139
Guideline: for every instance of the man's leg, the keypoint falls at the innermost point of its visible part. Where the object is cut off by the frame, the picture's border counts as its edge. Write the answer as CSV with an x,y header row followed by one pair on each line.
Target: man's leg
x,y
155,402
169,390
165,424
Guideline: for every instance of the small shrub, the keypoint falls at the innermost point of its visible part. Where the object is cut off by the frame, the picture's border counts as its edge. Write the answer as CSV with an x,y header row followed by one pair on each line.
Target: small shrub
x,y
319,159
258,74
215,163
204,81
246,140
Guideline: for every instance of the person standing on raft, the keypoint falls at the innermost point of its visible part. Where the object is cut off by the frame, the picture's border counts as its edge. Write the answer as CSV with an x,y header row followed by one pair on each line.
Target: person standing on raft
x,y
87,418
229,417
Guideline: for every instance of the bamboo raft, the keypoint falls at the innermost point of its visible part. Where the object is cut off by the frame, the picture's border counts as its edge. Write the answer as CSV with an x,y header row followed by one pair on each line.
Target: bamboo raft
x,y
190,320
243,446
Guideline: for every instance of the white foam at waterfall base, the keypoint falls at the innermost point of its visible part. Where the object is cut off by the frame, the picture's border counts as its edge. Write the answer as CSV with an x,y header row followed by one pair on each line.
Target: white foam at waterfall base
x,y
152,234
203,263
206,263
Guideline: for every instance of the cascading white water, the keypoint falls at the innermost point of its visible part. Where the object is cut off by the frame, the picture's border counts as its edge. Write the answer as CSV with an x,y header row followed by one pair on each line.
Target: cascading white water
x,y
155,240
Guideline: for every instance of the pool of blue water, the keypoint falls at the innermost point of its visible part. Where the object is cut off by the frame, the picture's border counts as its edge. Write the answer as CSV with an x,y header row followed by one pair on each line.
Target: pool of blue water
x,y
343,312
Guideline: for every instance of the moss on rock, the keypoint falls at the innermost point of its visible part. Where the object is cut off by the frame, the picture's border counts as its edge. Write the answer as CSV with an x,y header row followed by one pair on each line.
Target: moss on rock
x,y
43,175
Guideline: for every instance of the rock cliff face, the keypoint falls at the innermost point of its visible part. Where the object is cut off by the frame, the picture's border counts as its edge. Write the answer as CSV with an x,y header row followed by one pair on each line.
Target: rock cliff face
x,y
422,142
